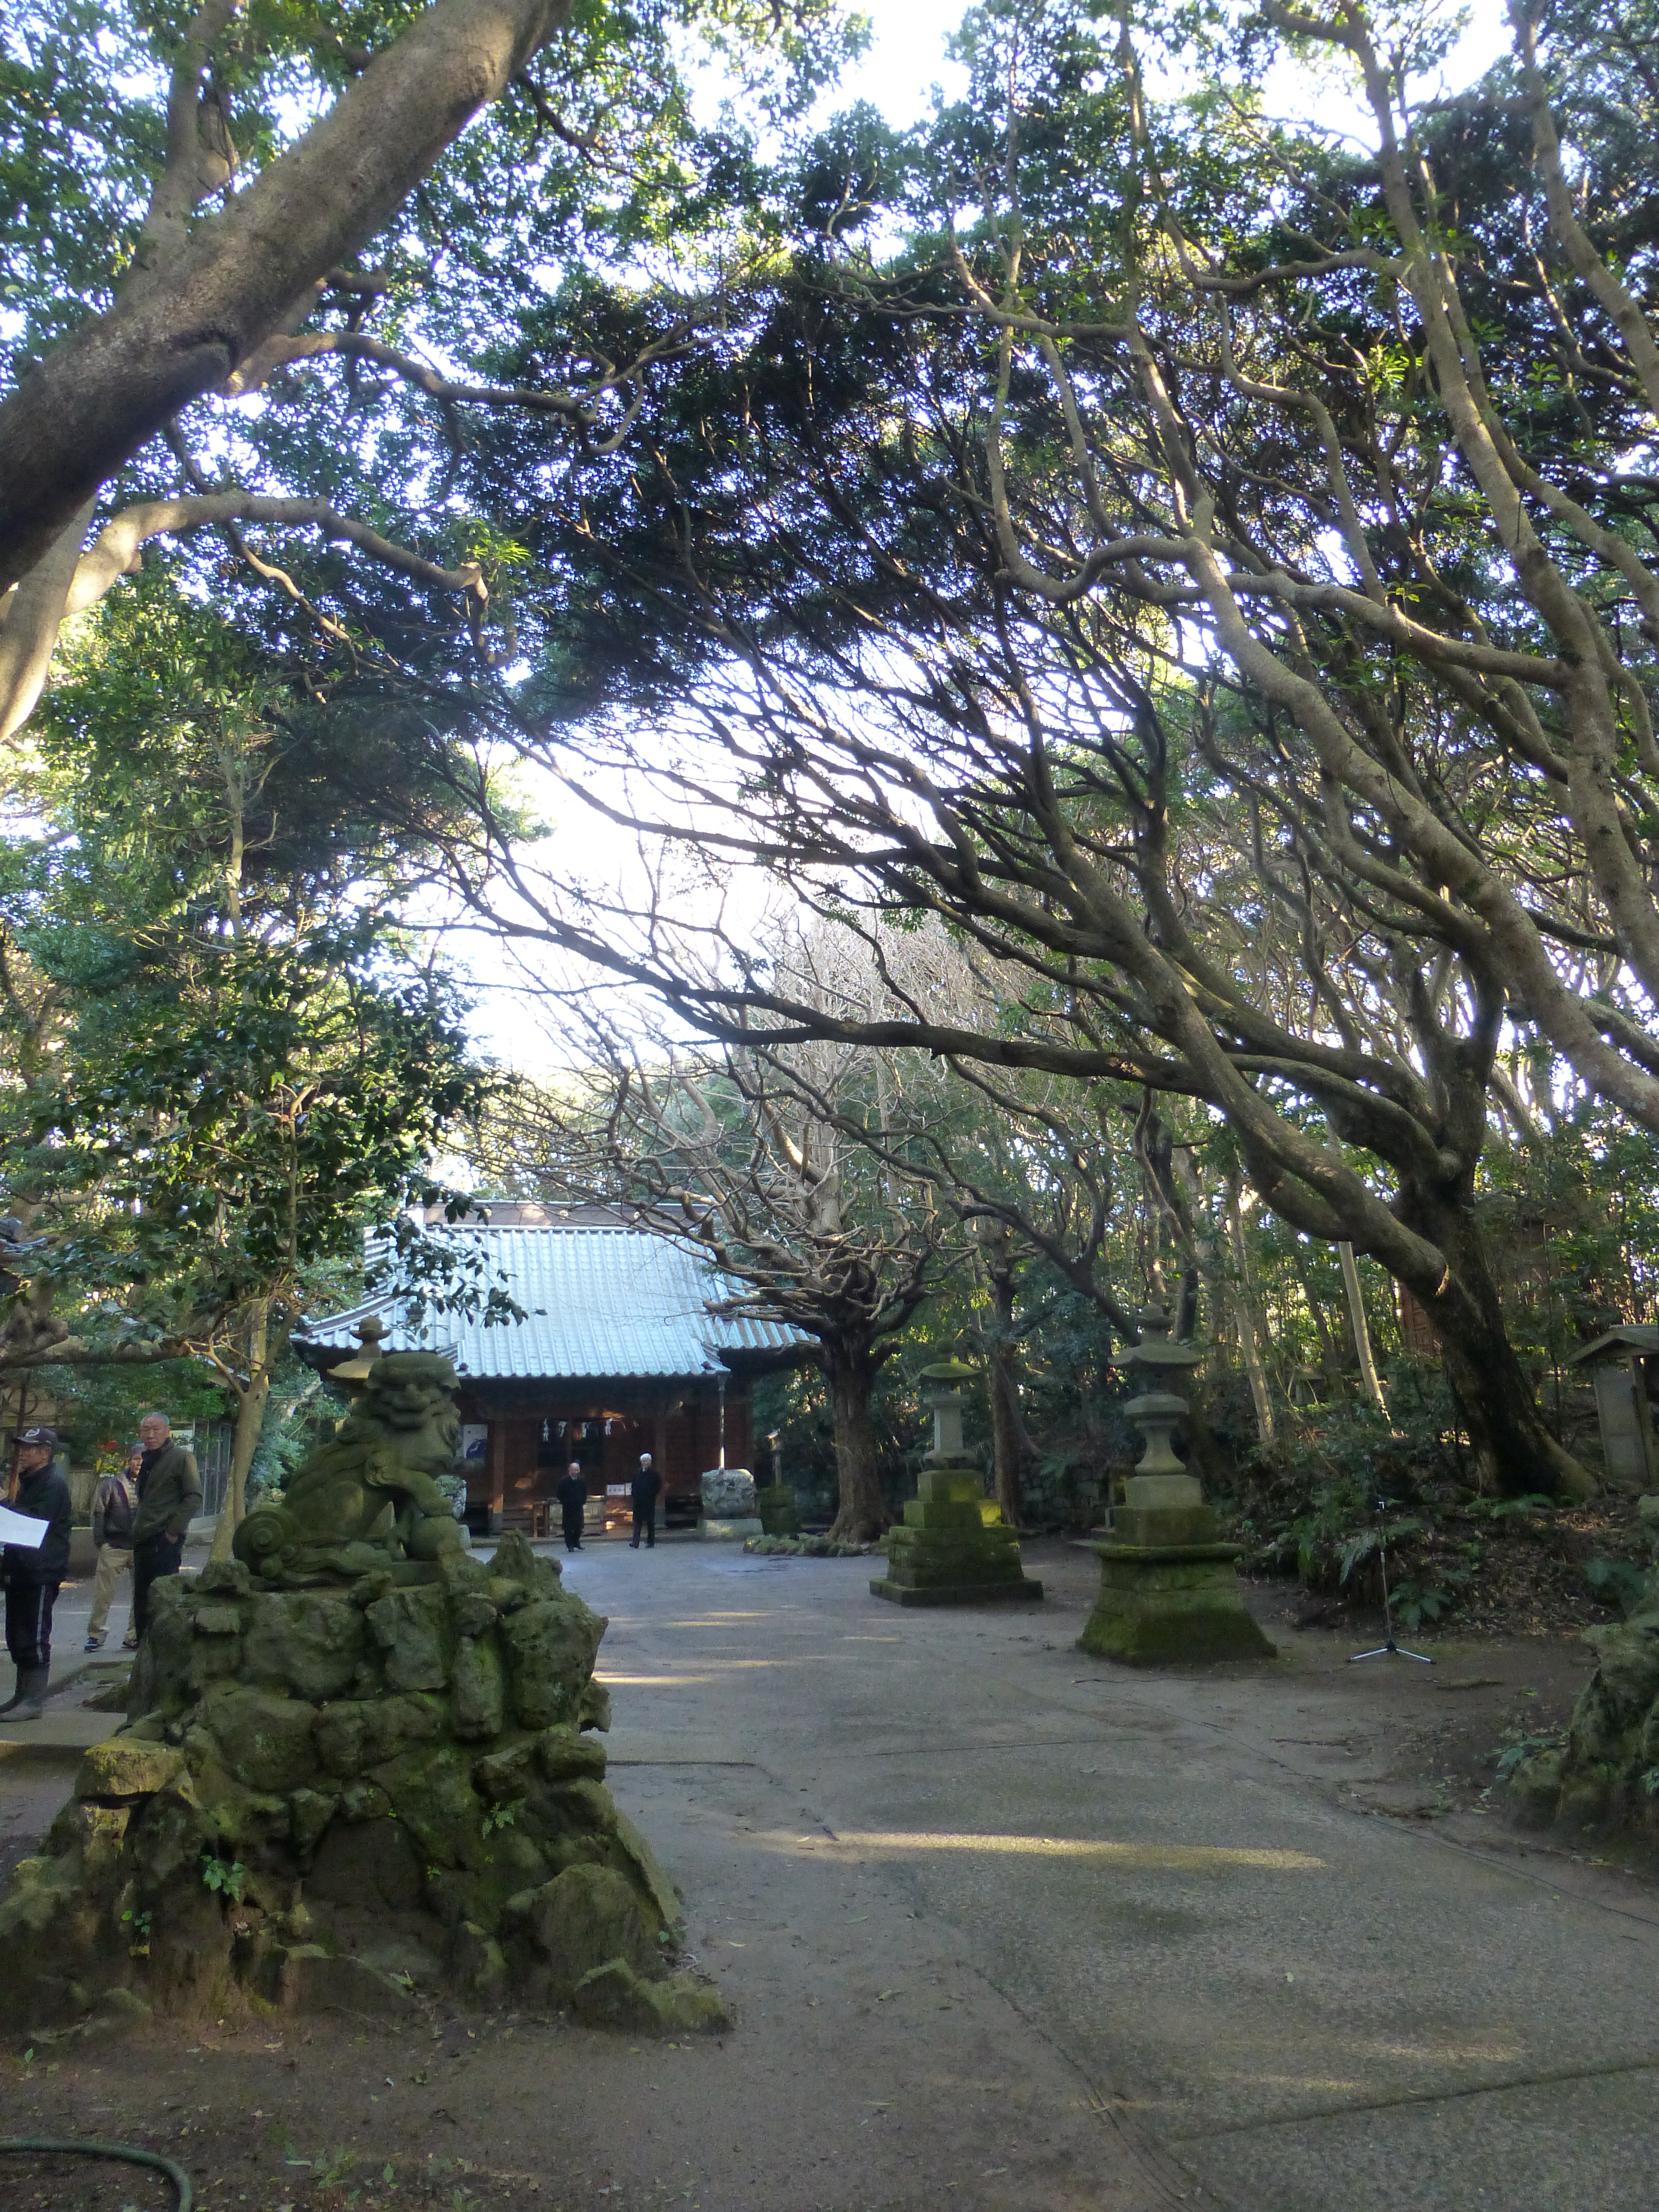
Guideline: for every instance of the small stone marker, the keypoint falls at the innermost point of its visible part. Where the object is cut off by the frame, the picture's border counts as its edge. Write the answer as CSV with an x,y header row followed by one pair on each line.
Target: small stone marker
x,y
946,1552
728,1506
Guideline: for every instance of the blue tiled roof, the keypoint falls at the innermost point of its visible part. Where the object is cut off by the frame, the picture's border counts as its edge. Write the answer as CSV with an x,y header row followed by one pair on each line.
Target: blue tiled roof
x,y
597,1302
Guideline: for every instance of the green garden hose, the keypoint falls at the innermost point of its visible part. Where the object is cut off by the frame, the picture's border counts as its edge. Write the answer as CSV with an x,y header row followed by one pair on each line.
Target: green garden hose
x,y
175,2174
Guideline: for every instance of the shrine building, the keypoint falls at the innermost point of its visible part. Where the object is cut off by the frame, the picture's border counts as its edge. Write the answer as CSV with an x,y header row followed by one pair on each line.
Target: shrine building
x,y
617,1353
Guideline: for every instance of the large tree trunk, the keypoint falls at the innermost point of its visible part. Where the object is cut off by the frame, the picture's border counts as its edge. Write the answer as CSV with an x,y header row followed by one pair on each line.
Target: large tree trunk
x,y
177,331
1515,1453
850,1371
250,1420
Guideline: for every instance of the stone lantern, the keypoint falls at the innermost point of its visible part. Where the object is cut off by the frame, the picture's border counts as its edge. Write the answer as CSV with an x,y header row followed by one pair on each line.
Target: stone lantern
x,y
946,1552
1169,1588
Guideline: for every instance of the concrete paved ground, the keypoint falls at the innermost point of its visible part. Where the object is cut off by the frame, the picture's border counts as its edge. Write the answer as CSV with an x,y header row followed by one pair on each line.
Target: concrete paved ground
x,y
1296,2003
1007,1927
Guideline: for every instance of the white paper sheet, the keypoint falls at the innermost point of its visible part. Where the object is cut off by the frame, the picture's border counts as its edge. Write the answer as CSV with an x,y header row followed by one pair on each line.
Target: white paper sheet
x,y
20,1528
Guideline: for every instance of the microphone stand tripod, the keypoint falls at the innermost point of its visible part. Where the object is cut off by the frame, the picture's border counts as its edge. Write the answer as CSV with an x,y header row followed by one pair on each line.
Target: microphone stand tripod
x,y
1390,1650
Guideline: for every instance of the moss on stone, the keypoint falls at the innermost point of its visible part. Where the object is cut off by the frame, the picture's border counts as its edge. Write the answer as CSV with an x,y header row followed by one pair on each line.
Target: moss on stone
x,y
397,1767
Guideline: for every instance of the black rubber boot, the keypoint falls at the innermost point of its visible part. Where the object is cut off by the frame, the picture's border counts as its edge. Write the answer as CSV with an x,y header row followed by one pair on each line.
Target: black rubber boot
x,y
31,1700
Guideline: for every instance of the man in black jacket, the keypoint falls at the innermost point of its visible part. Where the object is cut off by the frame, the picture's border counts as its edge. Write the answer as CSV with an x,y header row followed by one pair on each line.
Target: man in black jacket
x,y
573,1499
169,1497
33,1576
646,1484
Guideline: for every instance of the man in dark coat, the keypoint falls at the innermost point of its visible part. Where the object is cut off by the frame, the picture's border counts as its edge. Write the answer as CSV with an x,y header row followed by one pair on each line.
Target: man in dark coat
x,y
647,1483
34,1575
573,1499
169,1497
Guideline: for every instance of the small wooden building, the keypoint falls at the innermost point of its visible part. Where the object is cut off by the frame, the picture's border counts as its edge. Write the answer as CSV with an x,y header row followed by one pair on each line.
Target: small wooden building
x,y
1624,1366
617,1353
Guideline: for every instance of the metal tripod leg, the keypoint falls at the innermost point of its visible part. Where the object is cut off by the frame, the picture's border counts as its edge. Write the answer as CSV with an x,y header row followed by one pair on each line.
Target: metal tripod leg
x,y
1390,1650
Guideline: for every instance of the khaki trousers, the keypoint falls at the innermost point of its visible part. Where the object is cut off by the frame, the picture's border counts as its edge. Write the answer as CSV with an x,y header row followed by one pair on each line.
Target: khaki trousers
x,y
113,1564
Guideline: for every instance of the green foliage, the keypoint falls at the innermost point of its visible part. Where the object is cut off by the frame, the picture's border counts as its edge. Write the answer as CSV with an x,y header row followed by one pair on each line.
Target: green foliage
x,y
223,1877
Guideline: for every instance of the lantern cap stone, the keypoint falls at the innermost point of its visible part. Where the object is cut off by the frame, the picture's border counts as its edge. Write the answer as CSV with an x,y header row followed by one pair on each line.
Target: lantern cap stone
x,y
947,1371
370,1331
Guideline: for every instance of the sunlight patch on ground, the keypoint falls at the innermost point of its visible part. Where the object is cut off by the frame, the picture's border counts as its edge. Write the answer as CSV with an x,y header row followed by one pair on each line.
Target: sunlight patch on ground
x,y
881,1843
650,1681
717,1620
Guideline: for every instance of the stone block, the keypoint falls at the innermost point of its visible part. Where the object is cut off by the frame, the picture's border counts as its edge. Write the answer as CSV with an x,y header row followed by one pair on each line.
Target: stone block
x,y
121,1768
779,1510
478,1696
614,1996
432,1794
728,1494
1027,1590
501,1776
409,1627
730,1532
309,1642
313,1979
265,1740
950,1486
664,1895
551,1813
477,1964
551,1645
1157,1528
564,1756
587,1916
943,1513
1171,1606
93,1833
310,1812
353,1734
225,1578
216,1620
370,1865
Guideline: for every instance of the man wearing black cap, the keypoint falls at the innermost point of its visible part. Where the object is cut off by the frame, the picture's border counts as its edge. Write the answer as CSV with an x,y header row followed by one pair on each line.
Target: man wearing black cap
x,y
34,1576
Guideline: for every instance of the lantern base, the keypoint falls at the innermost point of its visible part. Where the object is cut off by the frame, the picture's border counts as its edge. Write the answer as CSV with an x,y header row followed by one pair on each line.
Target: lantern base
x,y
944,1551
1171,1605
1025,1591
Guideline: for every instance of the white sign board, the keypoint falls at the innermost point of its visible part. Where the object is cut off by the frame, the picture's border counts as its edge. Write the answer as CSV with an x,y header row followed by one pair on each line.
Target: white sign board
x,y
475,1442
21,1528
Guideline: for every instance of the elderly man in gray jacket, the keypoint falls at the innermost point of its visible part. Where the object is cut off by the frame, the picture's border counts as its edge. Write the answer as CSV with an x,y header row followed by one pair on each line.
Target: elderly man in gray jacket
x,y
169,1497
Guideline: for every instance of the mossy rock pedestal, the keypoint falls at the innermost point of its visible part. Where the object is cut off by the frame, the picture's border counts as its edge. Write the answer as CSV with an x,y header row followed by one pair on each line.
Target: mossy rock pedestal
x,y
352,1791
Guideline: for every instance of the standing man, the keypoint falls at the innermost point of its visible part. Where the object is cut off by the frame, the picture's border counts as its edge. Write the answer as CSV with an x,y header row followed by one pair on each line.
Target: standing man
x,y
646,1484
114,1509
33,1577
169,1496
572,1501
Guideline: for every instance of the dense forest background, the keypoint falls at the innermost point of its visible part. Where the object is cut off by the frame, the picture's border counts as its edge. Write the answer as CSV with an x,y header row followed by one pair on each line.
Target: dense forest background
x,y
1035,714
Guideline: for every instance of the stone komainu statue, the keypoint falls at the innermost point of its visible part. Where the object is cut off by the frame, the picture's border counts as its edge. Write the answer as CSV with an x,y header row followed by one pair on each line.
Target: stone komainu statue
x,y
368,1498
